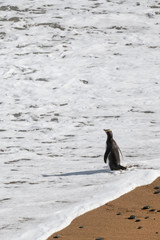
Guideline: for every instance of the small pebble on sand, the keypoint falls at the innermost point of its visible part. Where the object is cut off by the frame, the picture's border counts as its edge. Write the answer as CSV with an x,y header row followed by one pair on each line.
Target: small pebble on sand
x,y
152,210
138,220
156,192
81,227
119,213
56,236
132,217
146,207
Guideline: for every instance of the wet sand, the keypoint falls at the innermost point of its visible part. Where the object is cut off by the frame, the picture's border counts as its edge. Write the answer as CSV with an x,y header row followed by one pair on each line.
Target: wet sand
x,y
133,216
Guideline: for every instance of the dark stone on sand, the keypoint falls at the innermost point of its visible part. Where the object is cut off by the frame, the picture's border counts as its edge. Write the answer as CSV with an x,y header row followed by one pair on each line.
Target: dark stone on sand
x,y
139,227
81,227
156,192
56,236
132,217
146,217
138,220
156,232
146,207
152,210
119,213
157,187
101,238
158,210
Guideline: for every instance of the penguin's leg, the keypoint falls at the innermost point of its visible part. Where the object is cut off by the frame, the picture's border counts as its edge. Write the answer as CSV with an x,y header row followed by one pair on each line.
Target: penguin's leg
x,y
114,162
113,166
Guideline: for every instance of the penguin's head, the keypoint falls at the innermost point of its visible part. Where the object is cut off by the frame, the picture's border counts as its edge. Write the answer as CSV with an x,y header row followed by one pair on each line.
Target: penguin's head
x,y
108,132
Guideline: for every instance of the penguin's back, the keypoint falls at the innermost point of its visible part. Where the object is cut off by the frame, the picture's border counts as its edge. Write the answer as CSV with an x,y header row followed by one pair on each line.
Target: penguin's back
x,y
114,156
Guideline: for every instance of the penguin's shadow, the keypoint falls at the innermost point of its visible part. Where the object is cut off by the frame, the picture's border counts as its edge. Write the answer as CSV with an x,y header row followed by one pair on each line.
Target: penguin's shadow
x,y
81,173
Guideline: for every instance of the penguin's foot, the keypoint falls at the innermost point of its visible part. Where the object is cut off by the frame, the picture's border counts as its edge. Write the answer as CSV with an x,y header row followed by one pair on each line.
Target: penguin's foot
x,y
123,168
118,167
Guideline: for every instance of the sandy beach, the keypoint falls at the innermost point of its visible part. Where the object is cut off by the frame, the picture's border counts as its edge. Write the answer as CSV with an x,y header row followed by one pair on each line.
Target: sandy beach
x,y
135,215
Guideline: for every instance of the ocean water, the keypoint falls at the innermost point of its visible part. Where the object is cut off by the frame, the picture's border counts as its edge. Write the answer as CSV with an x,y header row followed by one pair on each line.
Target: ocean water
x,y
68,70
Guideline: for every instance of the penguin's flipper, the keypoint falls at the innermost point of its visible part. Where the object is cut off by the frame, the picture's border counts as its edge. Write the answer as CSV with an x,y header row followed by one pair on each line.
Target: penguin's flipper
x,y
107,152
105,158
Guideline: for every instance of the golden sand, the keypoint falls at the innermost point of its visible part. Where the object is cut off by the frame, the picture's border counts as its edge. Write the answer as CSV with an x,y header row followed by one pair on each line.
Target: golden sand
x,y
112,220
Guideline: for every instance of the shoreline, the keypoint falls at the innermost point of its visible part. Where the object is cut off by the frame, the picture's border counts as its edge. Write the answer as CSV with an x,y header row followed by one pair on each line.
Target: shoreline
x,y
122,218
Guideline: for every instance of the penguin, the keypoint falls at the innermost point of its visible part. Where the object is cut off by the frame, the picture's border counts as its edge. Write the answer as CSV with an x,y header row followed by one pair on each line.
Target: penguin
x,y
112,152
